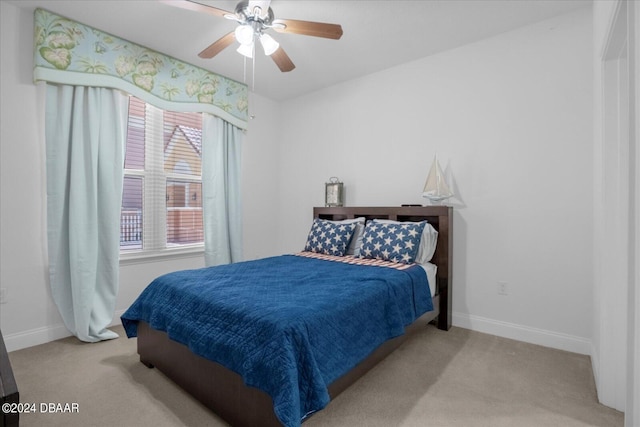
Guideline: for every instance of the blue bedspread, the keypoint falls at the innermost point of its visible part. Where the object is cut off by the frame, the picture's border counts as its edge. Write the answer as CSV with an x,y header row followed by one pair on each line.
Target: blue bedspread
x,y
289,325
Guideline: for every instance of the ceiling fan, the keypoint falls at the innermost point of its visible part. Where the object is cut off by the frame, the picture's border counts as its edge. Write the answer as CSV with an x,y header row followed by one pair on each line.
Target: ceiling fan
x,y
254,18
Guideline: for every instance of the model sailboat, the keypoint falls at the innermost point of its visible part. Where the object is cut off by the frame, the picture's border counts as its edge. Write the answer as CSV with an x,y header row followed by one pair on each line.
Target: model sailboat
x,y
436,188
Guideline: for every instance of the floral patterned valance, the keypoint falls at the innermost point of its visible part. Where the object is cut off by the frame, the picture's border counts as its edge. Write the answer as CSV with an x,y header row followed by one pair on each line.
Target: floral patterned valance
x,y
68,52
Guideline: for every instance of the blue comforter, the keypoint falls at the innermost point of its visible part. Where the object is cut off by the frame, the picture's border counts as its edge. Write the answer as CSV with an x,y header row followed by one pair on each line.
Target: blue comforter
x,y
289,325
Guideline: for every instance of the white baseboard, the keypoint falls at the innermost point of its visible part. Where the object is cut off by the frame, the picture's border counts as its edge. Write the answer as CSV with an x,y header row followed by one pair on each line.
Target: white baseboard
x,y
36,336
476,323
528,334
44,335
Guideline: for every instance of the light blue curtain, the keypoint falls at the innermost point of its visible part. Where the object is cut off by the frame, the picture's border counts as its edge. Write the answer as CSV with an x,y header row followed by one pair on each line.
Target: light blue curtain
x,y
85,131
222,207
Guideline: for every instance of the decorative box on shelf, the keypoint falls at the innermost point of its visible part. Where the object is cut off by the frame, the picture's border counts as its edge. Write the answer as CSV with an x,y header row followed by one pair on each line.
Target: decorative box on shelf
x,y
334,192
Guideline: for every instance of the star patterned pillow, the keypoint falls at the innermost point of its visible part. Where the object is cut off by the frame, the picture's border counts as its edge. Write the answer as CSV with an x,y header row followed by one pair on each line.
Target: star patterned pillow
x,y
392,242
329,238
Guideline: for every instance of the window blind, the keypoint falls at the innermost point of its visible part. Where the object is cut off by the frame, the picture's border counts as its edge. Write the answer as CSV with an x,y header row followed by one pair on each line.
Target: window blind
x,y
183,169
162,196
132,194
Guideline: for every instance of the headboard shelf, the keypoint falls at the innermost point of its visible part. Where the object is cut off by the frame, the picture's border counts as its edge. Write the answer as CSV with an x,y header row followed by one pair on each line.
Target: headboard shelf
x,y
440,217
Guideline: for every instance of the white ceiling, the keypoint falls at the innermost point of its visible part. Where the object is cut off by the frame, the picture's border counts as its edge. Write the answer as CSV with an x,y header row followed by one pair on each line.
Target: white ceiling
x,y
377,34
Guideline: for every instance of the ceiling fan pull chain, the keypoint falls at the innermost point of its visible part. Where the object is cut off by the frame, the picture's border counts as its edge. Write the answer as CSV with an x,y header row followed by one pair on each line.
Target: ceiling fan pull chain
x,y
244,70
253,76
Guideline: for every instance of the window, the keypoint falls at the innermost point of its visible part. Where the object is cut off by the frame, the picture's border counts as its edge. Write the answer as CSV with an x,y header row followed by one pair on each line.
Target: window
x,y
162,191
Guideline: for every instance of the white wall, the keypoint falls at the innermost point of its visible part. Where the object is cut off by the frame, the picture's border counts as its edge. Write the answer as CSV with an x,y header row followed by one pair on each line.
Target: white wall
x,y
23,268
616,334
260,162
608,366
511,119
30,317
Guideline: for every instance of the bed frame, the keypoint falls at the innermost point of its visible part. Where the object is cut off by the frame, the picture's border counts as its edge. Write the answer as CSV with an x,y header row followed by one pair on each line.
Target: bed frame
x,y
224,391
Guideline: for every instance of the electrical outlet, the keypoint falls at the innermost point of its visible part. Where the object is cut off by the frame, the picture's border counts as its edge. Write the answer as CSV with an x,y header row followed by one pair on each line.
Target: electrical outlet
x,y
502,288
3,295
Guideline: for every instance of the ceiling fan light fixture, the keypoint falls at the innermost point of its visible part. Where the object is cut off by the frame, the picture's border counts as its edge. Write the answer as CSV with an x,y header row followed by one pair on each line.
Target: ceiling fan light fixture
x,y
255,17
244,34
246,50
268,44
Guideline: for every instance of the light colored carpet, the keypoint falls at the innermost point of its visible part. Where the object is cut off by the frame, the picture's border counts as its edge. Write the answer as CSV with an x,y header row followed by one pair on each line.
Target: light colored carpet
x,y
455,378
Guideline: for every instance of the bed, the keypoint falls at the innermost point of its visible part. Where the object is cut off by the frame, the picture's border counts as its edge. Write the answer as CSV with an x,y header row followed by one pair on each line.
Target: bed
x,y
258,378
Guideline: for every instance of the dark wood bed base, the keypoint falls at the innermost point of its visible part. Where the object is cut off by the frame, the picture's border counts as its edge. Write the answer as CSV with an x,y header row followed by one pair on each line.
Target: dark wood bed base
x,y
224,391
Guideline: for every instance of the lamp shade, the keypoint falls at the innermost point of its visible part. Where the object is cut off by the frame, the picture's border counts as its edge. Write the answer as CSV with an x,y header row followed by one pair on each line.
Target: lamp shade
x,y
244,34
246,50
268,44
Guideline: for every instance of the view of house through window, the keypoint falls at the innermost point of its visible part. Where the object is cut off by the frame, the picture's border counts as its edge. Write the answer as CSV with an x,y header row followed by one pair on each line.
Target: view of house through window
x,y
162,195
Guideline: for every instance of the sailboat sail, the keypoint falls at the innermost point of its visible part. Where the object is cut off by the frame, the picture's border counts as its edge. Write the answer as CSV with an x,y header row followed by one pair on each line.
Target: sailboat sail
x,y
436,188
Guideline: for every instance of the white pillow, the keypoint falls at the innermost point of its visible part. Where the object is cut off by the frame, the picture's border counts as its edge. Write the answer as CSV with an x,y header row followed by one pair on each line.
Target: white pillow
x,y
428,241
358,233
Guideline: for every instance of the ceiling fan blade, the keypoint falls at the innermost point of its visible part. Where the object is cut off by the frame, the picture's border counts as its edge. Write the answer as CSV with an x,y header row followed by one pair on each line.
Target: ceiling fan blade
x,y
282,60
217,46
308,28
197,7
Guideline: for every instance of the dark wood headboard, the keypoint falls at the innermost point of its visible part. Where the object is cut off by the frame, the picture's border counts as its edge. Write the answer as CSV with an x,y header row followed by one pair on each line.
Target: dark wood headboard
x,y
440,217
